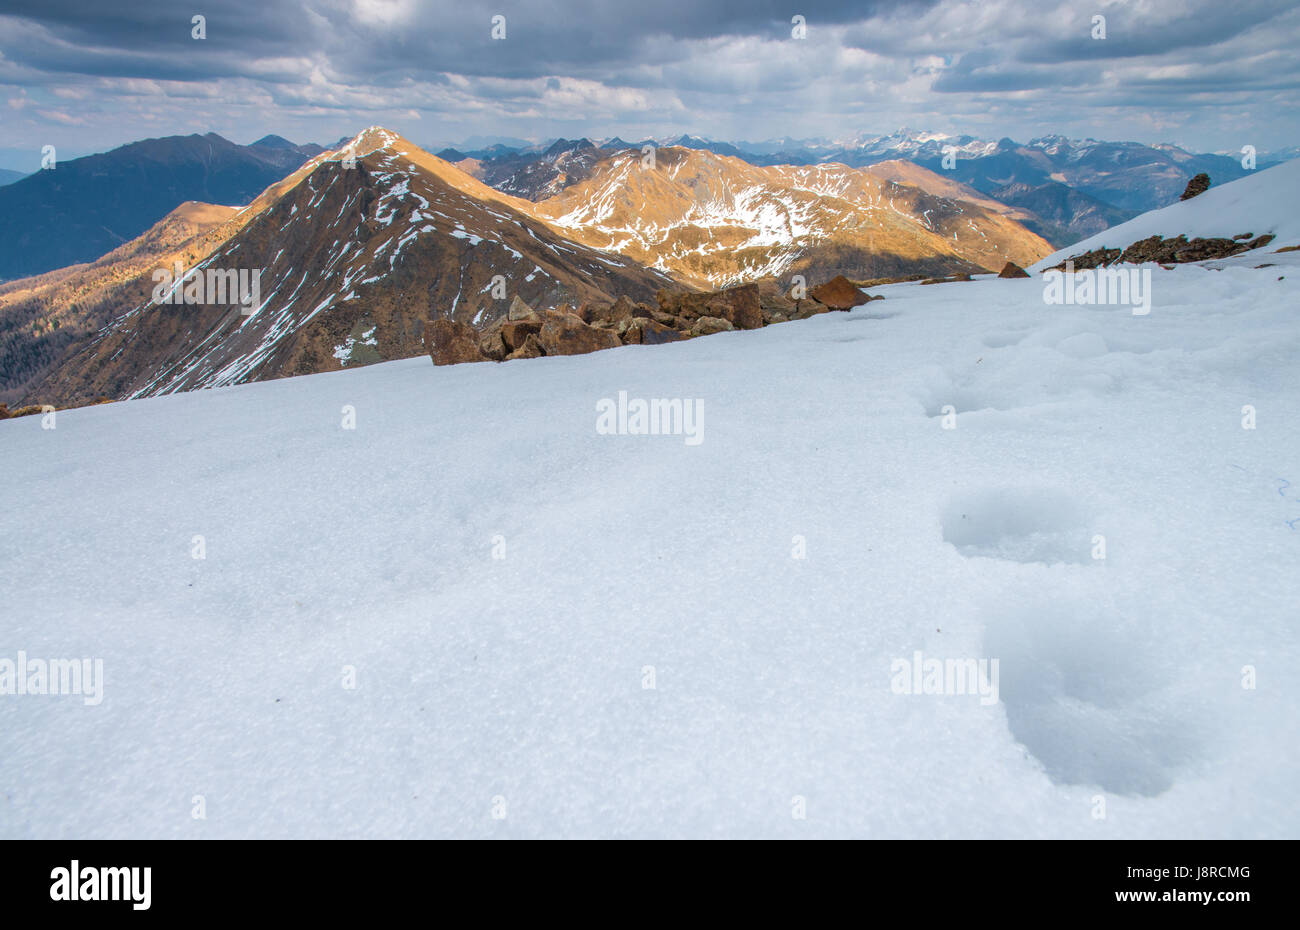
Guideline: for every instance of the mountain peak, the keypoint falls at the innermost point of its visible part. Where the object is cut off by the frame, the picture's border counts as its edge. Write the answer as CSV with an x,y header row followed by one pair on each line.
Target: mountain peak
x,y
370,139
273,141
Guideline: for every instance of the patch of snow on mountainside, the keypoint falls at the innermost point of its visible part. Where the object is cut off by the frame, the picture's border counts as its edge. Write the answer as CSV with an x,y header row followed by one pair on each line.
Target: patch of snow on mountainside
x,y
685,647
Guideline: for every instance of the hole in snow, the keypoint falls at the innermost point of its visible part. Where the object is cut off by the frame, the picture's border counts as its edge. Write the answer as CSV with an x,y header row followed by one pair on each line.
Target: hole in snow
x,y
1018,524
1088,700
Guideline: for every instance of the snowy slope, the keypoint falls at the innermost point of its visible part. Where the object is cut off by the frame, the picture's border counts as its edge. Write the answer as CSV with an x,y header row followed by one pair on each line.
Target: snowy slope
x,y
1265,202
519,682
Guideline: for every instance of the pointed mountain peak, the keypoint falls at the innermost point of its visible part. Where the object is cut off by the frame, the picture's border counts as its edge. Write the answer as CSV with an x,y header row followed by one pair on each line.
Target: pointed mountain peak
x,y
371,139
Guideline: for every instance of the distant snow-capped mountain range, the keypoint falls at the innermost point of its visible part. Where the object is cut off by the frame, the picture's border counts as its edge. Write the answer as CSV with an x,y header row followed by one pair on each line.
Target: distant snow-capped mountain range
x,y
1068,188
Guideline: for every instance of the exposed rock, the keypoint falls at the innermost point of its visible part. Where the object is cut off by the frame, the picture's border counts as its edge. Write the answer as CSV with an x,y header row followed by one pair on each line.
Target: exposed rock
x,y
839,293
521,311
27,411
947,280
739,306
775,301
1172,251
667,319
516,333
898,279
806,308
623,309
566,334
450,343
1197,185
492,345
645,331
745,312
530,349
1012,270
708,325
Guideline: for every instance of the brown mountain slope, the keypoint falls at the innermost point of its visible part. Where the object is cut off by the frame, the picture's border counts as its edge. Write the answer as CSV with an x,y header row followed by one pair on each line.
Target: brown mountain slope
x,y
713,220
355,251
43,317
902,171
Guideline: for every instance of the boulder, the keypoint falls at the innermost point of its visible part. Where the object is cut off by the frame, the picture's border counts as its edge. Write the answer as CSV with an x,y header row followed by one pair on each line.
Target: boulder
x,y
666,319
566,334
1012,270
492,345
839,293
530,349
645,331
708,325
513,334
746,311
521,311
775,301
1197,185
450,343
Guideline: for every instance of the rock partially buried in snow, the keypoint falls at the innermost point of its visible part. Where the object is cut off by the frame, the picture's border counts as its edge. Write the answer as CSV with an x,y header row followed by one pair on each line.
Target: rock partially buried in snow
x,y
566,334
739,306
839,293
708,325
450,343
1012,270
644,331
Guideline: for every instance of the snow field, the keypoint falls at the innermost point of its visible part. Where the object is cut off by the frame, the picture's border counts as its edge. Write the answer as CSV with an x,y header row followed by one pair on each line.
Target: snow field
x,y
519,683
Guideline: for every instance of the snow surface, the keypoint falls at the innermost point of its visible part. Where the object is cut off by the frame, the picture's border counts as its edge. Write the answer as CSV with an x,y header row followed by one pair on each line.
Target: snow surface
x,y
519,681
1265,202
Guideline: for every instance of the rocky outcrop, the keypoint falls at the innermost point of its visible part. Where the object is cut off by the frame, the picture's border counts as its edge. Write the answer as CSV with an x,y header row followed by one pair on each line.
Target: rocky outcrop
x,y
1166,251
1197,185
739,306
1012,270
527,333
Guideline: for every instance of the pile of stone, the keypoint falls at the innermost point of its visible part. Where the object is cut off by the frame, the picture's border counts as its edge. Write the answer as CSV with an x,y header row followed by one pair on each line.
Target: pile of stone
x,y
527,333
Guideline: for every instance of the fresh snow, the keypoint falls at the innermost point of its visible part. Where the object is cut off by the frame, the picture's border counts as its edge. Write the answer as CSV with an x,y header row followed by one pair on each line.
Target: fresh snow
x,y
519,681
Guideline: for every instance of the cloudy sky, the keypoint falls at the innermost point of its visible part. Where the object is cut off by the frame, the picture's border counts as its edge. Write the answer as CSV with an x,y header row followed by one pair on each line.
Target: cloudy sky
x,y
87,75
